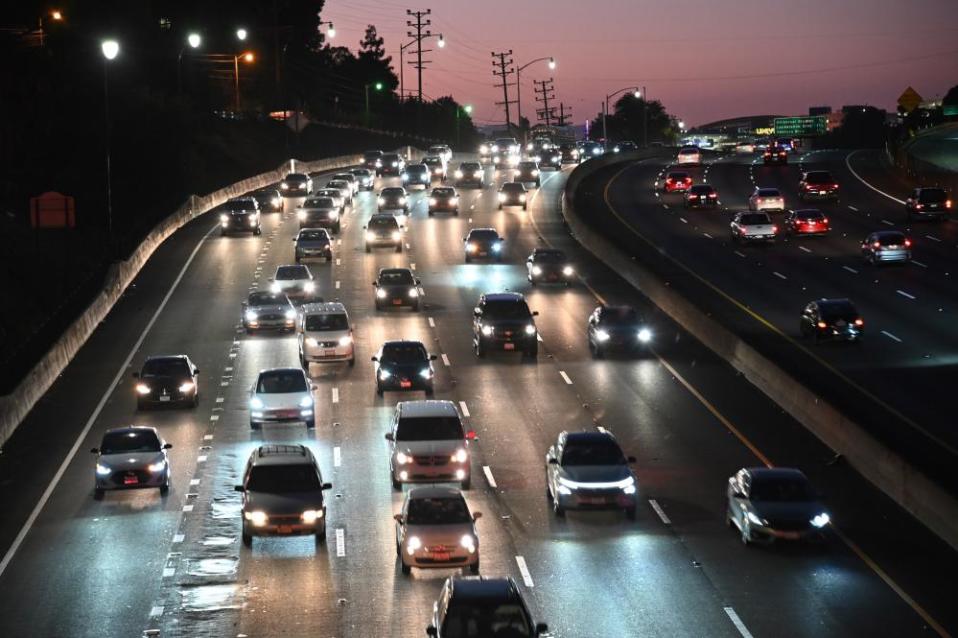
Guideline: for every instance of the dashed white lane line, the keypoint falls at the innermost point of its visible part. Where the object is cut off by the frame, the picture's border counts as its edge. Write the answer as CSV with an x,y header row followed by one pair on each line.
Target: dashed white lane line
x,y
463,408
156,611
432,324
445,359
707,235
168,572
891,336
214,417
207,437
335,395
853,208
489,478
684,221
219,399
194,482
742,629
740,254
565,377
524,570
340,542
887,223
178,538
779,275
339,262
803,249
850,269
337,284
187,508
337,456
201,458
905,294
412,266
658,510
933,238
919,264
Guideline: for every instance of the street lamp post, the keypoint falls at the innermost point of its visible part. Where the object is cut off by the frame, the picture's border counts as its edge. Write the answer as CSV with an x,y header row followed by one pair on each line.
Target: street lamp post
x,y
441,43
552,66
193,41
331,31
605,110
241,34
379,87
110,49
55,15
247,57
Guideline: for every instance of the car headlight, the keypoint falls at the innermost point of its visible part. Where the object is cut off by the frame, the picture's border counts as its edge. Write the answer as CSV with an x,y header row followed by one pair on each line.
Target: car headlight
x,y
530,329
402,458
486,330
276,201
311,342
187,386
257,518
458,174
821,520
755,520
483,149
567,271
602,335
412,544
395,164
413,293
575,153
567,484
306,401
454,201
432,201
384,374
159,466
309,286
496,247
536,270
468,542
471,247
370,236
502,197
402,201
645,335
461,456
256,403
425,373
290,314
142,388
535,172
224,218
345,340
405,177
102,470
311,516
275,287
396,235
334,214
379,164
284,186
522,198
301,215
380,293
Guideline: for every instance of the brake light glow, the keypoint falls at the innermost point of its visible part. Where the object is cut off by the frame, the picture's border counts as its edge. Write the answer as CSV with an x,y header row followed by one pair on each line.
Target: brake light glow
x,y
907,243
774,229
876,245
713,195
859,322
947,203
822,325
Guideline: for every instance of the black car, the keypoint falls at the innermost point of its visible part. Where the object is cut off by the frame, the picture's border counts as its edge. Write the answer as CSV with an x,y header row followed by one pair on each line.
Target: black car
x,y
313,242
167,380
773,504
392,164
445,199
818,185
393,198
701,196
527,172
397,287
549,265
550,157
587,470
240,215
924,203
269,200
569,152
617,327
512,194
268,311
503,321
404,365
483,243
296,185
625,147
775,155
835,319
373,160
482,606
470,174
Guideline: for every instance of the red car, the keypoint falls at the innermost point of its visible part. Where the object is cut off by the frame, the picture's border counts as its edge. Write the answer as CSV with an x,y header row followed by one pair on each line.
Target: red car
x,y
818,185
806,222
677,181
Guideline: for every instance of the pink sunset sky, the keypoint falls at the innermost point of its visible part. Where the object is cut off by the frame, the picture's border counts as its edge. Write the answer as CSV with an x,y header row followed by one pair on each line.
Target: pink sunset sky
x,y
704,59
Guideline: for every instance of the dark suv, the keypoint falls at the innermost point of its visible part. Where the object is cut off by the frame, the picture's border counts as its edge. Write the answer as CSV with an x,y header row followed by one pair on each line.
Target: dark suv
x,y
836,319
481,606
923,203
502,321
241,215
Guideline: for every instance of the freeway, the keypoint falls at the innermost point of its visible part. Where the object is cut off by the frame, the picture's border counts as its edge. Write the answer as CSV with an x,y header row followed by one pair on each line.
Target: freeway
x,y
138,561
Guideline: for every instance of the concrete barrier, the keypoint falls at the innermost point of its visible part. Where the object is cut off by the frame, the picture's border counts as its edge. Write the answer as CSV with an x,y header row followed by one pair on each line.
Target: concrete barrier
x,y
882,466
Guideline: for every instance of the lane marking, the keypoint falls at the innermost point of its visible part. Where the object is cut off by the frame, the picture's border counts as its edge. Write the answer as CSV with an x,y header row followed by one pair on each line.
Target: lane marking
x,y
740,254
684,221
463,408
779,275
168,571
565,377
933,238
207,437
340,542
339,262
887,223
489,478
214,417
337,284
707,235
445,359
850,207
905,294
178,538
156,611
538,336
658,510
524,570
918,263
412,266
850,269
120,374
860,179
432,324
337,456
891,336
335,395
742,629
201,458
802,248
194,482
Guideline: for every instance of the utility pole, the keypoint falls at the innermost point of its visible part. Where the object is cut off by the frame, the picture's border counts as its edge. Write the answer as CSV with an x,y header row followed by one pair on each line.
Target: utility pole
x,y
564,115
504,71
418,36
544,92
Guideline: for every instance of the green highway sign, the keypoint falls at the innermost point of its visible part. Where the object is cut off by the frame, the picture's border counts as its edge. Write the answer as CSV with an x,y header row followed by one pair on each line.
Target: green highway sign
x,y
807,125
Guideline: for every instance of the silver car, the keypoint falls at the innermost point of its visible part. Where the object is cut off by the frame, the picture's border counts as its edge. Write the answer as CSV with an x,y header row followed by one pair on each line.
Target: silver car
x,y
268,311
365,177
428,444
886,246
587,470
752,227
335,194
320,212
350,179
766,199
344,187
436,529
296,282
325,335
129,458
769,504
282,395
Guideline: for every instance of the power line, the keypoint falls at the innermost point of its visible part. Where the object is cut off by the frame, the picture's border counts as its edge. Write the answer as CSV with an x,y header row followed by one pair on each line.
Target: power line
x,y
504,71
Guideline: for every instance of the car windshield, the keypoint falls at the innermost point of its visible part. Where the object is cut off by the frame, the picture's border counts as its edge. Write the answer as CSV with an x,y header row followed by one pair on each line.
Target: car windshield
x,y
240,205
281,382
768,192
403,353
469,167
620,316
291,273
891,239
506,309
678,176
344,177
320,202
283,479
296,177
932,195
130,441
592,453
701,190
383,222
317,234
513,187
483,235
362,172
429,428
818,177
689,151
754,219
165,368
393,192
443,192
391,158
549,256
372,155
437,511
838,310
781,490
486,618
432,161
266,299
809,214
320,323
337,184
417,169
527,166
395,277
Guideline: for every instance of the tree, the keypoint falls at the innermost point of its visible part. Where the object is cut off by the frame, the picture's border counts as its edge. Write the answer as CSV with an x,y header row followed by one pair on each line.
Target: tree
x,y
373,63
637,120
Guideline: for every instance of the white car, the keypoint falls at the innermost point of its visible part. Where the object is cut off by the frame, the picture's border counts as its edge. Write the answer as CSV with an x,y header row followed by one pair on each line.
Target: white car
x,y
766,199
325,335
442,151
745,147
295,281
350,179
320,212
334,194
343,187
436,529
131,457
753,227
281,395
428,444
365,178
690,155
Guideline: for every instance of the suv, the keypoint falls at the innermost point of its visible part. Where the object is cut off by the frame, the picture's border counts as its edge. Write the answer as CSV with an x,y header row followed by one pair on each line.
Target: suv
x,y
927,202
296,185
392,164
818,185
397,287
283,494
319,212
383,230
325,335
428,444
570,153
166,380
619,327
836,319
295,281
483,242
404,365
775,155
436,166
481,606
883,246
416,175
240,214
527,171
701,196
502,321
373,160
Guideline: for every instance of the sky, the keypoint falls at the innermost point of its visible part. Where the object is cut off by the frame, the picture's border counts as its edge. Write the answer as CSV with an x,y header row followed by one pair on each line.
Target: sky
x,y
704,59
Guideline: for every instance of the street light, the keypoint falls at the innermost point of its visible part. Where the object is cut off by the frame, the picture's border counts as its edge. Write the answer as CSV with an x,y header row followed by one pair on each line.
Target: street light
x,y
193,40
605,111
55,15
241,33
110,49
402,66
249,57
441,42
552,65
331,31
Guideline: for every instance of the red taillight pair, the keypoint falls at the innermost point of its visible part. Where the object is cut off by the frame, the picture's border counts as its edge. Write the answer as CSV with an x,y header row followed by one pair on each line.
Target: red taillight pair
x,y
859,322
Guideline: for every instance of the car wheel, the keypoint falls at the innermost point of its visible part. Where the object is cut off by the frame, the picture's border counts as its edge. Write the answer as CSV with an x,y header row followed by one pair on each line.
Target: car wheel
x,y
500,206
303,363
253,425
98,494
379,390
399,248
222,233
196,400
311,424
480,351
321,537
258,232
557,509
368,249
352,362
430,390
532,281
165,488
468,260
525,207
396,484
415,307
247,540
474,568
337,228
466,483
404,568
597,352
532,352
431,214
140,406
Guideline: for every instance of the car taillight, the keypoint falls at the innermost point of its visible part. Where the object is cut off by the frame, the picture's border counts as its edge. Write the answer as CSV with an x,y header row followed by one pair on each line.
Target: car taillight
x,y
947,203
907,243
669,180
693,196
835,186
713,195
859,322
822,325
774,229
919,206
825,220
876,245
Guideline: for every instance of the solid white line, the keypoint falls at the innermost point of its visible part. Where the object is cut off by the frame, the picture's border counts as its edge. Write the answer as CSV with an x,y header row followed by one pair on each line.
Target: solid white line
x,y
742,629
853,208
918,263
658,510
905,294
340,542
565,377
933,238
121,373
445,359
850,269
463,408
489,477
168,571
538,336
524,570
337,456
859,178
432,324
804,249
214,417
891,336
156,610
335,395
779,275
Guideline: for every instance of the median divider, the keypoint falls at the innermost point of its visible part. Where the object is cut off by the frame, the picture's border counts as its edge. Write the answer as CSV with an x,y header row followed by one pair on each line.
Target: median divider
x,y
903,482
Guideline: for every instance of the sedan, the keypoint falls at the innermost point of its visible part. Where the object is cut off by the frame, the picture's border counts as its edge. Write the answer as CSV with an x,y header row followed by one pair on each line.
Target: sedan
x,y
403,365
240,215
345,189
471,174
397,287
924,203
548,265
677,181
769,504
834,319
334,194
527,172
766,199
617,327
365,177
268,311
313,242
436,529
281,395
269,199
392,198
818,185
806,222
483,243
886,246
701,196
320,212
752,227
296,282
131,457
512,194
444,199
296,185
167,380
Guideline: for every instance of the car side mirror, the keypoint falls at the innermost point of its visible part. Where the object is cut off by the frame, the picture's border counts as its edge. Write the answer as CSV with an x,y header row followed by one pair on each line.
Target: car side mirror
x,y
418,282
390,437
314,388
327,486
136,375
196,370
398,518
374,358
631,459
541,628
477,312
553,461
465,239
432,357
167,446
95,450
432,631
476,516
294,239
239,488
535,313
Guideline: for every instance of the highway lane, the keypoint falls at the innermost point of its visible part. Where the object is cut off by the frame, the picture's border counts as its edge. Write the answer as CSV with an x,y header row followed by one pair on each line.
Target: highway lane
x,y
654,577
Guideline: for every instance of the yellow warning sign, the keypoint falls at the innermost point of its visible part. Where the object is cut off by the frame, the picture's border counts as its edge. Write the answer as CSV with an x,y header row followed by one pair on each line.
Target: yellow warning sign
x,y
909,100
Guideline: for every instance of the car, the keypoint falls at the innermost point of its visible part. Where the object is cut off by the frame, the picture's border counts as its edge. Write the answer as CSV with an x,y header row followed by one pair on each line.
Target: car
x,y
345,189
312,242
587,470
436,166
295,281
444,199
397,287
240,214
436,529
569,153
334,194
769,504
320,212
470,174
927,202
283,494
832,319
806,222
393,164
785,142
550,158
167,380
745,147
383,230
296,185
625,147
373,160
549,265
131,457
619,327
775,155
482,243
485,151
281,395
429,444
588,150
527,172
752,227
268,311
677,181
503,321
441,150
480,606
393,198
817,185
416,175
350,179
701,196
325,335
365,177
886,246
513,194
269,199
766,199
505,152
689,156
404,365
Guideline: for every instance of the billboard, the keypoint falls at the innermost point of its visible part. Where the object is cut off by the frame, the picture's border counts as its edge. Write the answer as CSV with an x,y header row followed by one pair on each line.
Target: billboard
x,y
803,126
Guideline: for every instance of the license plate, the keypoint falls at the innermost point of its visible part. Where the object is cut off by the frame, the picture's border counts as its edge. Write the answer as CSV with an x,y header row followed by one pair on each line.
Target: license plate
x,y
130,479
329,352
483,254
397,302
823,192
790,535
405,384
285,529
508,346
164,397
593,500
440,555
